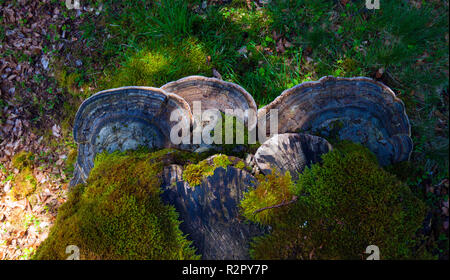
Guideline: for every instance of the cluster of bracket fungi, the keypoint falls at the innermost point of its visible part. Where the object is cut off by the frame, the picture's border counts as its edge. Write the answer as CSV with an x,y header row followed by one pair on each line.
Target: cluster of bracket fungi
x,y
364,111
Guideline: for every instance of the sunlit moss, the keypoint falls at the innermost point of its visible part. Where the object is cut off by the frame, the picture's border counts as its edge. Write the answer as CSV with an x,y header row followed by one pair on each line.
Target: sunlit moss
x,y
24,184
349,65
221,161
345,204
248,20
74,93
272,189
240,165
193,174
67,80
118,214
22,159
159,65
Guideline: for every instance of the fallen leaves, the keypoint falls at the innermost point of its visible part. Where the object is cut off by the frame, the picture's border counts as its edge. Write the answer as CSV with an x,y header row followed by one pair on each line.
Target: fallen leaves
x,y
24,226
33,33
281,42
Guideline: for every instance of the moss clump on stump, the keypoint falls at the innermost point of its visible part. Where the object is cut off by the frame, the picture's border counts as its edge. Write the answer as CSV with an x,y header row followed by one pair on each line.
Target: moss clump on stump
x,y
273,189
118,214
195,173
343,205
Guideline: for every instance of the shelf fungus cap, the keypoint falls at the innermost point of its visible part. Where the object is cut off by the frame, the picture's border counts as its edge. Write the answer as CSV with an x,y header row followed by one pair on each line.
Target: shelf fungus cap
x,y
290,152
357,109
127,118
216,94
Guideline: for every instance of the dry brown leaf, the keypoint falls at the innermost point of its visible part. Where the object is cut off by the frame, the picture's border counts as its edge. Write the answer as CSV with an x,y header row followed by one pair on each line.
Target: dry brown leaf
x,y
280,47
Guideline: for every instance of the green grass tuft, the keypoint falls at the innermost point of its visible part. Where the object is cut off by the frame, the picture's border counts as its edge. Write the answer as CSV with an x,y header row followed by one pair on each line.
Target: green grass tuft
x,y
155,67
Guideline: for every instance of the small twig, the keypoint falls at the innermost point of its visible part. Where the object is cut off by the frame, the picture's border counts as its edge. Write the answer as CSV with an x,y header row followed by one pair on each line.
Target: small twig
x,y
294,199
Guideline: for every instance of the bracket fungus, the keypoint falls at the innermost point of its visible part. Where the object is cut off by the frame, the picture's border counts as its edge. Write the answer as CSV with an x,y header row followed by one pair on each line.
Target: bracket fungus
x,y
216,94
122,119
290,152
357,109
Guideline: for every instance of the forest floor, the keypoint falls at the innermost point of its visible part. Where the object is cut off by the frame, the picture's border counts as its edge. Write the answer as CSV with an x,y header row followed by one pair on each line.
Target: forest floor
x,y
52,58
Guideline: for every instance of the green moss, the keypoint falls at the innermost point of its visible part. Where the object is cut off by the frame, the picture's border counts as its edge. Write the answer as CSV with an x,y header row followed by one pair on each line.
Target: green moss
x,y
72,82
159,65
349,65
74,93
22,159
221,161
230,149
272,189
24,184
181,157
240,165
118,214
193,174
344,204
70,162
66,80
